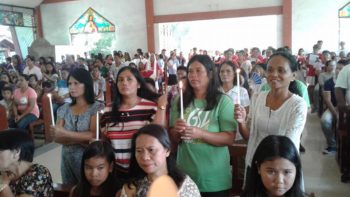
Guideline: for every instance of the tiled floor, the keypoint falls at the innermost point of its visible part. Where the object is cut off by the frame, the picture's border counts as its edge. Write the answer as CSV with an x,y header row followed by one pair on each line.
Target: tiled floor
x,y
322,175
321,172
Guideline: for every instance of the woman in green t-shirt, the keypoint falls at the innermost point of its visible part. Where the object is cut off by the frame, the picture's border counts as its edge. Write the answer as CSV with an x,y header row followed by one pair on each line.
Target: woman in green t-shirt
x,y
205,131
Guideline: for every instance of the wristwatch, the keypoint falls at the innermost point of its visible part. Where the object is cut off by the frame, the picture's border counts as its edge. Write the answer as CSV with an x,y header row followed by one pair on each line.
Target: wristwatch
x,y
162,107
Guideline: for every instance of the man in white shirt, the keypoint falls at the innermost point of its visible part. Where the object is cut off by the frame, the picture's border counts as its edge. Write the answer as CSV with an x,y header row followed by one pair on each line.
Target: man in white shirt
x,y
116,66
31,68
342,94
342,89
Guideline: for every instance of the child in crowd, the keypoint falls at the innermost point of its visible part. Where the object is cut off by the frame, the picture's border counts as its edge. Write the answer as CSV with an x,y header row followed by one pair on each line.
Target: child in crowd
x,y
97,170
62,87
99,84
275,169
7,102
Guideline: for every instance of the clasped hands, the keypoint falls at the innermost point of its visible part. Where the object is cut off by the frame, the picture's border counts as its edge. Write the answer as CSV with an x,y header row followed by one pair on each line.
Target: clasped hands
x,y
187,132
6,177
57,132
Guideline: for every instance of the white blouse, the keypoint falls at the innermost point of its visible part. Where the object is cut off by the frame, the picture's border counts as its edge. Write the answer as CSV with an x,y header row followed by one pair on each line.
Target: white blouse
x,y
288,120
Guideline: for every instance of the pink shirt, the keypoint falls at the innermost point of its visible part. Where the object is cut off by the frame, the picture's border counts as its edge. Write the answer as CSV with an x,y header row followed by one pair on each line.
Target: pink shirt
x,y
22,100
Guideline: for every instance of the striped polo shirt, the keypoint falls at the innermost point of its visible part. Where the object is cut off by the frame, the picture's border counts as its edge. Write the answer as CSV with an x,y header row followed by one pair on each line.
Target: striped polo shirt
x,y
122,126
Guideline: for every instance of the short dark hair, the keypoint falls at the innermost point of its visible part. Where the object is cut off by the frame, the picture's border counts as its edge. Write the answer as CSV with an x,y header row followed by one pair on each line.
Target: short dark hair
x,y
42,59
26,77
270,148
109,187
343,62
18,139
7,74
33,75
83,76
161,134
32,58
47,84
182,68
7,88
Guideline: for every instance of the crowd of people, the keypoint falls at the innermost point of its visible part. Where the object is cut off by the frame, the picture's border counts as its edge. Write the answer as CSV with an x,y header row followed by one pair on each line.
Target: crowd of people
x,y
171,116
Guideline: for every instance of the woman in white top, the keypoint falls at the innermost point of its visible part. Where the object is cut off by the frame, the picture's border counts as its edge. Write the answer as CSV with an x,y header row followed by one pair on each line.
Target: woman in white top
x,y
277,112
228,81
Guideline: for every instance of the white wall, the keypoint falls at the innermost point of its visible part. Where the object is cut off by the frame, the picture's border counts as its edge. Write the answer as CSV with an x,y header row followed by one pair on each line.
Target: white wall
x,y
128,17
316,20
164,7
312,19
221,34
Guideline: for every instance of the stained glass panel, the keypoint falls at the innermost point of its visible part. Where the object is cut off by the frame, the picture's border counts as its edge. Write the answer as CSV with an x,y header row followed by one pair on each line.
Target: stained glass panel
x,y
91,22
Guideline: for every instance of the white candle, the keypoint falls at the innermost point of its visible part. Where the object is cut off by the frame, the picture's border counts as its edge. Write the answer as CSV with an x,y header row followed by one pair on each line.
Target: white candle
x,y
51,110
97,125
181,101
238,87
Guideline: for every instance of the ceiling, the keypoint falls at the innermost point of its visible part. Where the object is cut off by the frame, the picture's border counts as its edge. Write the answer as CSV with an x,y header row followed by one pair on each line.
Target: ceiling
x,y
24,3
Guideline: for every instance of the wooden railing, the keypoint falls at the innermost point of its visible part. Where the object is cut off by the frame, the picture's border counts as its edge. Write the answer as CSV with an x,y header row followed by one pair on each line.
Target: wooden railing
x,y
343,141
237,154
3,118
61,190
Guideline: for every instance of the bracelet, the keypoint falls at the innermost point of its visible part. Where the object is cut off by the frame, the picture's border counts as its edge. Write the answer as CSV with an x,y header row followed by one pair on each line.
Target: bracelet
x,y
162,107
2,187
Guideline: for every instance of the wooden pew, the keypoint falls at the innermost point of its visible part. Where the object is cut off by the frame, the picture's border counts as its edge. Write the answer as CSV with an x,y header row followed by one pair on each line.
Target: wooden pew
x,y
108,93
237,153
343,146
45,120
3,118
61,190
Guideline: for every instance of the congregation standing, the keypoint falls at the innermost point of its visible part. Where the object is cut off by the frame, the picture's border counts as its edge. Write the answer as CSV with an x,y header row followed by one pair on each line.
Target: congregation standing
x,y
154,126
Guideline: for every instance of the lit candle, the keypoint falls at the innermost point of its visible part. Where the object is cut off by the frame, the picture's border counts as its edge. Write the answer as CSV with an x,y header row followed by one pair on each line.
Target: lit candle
x,y
51,110
181,101
97,125
238,87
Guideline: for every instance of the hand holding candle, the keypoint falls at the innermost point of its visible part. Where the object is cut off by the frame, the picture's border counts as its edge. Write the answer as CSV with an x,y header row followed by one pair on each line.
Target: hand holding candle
x,y
51,110
181,101
238,86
